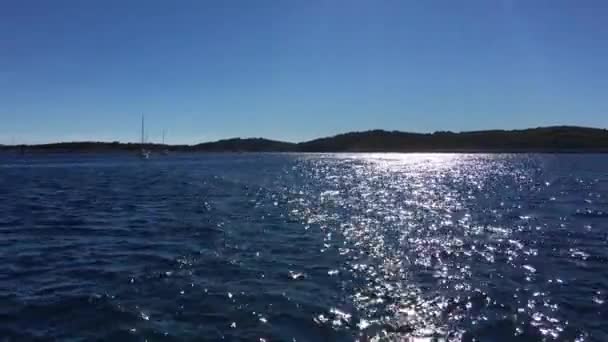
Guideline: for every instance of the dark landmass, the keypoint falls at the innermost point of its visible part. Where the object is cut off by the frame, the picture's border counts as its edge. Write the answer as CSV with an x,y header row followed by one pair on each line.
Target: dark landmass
x,y
561,138
542,139
246,145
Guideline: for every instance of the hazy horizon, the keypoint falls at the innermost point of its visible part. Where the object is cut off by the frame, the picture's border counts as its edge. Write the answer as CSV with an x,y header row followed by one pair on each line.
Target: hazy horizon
x,y
74,71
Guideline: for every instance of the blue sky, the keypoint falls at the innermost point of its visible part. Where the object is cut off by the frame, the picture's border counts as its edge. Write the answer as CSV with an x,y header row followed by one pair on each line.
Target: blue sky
x,y
295,70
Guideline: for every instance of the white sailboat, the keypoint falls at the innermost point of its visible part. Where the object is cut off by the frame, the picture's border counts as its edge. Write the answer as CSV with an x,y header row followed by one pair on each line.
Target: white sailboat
x,y
166,150
143,153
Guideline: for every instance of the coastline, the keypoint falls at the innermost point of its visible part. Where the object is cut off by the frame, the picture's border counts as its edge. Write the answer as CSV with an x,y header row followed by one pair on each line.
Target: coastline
x,y
556,139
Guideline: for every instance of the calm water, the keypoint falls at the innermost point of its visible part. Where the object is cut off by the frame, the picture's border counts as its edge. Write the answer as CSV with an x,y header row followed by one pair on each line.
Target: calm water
x,y
265,247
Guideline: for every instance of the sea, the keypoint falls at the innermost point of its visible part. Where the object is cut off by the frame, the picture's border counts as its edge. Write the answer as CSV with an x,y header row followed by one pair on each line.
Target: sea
x,y
304,247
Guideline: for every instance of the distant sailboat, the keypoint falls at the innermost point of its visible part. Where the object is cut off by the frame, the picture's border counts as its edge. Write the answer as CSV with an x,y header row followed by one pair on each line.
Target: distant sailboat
x,y
143,153
166,150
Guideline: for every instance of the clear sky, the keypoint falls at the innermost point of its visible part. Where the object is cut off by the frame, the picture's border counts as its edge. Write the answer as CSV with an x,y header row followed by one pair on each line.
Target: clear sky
x,y
294,70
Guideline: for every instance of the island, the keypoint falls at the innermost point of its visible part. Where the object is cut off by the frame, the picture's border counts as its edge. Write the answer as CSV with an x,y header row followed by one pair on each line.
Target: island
x,y
553,139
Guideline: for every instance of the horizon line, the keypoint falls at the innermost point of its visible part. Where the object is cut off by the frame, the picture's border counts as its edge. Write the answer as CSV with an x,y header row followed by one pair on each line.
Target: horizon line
x,y
305,141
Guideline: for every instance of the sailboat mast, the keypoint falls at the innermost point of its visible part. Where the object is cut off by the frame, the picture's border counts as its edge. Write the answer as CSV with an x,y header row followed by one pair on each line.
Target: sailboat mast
x,y
143,153
164,136
142,131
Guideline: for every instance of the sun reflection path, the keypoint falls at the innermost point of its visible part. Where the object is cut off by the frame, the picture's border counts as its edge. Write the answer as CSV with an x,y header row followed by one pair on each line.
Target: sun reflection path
x,y
413,229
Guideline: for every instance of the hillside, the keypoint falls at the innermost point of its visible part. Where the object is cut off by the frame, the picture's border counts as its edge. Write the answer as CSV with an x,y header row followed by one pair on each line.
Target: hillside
x,y
542,139
245,145
560,138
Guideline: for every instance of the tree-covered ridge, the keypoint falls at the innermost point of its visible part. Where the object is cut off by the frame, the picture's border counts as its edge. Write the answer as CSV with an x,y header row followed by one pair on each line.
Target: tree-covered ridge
x,y
542,139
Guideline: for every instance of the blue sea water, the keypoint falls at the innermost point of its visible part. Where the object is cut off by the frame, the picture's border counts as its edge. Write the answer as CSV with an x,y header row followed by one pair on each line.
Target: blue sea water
x,y
304,247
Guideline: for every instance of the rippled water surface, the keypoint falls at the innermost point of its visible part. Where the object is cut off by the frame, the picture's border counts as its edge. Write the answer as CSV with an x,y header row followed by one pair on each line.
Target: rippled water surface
x,y
304,247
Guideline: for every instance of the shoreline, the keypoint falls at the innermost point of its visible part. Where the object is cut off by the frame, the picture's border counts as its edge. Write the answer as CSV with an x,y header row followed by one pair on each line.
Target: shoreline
x,y
554,139
36,152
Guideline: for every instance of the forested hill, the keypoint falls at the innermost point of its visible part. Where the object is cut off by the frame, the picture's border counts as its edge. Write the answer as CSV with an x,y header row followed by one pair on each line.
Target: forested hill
x,y
543,139
562,138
